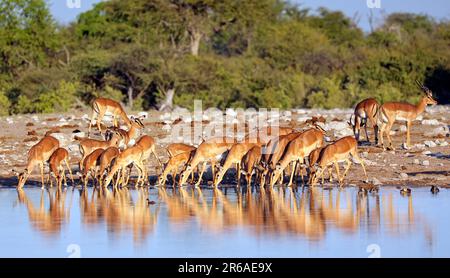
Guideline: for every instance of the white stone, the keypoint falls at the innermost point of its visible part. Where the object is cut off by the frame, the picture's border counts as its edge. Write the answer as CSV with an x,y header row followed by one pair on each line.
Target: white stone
x,y
403,128
416,161
430,144
431,122
404,176
420,146
438,131
426,152
425,163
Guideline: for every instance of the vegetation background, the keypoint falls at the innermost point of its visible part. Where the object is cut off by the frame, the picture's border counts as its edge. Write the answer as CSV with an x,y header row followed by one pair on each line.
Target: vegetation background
x,y
228,53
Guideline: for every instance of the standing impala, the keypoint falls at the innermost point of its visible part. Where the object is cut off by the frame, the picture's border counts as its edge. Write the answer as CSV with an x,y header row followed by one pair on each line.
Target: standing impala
x,y
103,106
402,111
365,110
39,154
341,150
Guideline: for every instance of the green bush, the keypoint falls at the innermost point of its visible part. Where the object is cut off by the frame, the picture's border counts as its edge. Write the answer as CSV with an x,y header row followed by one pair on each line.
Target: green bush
x,y
59,100
4,104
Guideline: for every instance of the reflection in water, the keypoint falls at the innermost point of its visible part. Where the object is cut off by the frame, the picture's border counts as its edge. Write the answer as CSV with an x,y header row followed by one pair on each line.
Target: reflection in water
x,y
49,220
309,212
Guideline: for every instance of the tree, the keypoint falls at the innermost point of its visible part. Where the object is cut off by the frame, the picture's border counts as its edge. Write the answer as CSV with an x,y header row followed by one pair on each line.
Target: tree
x,y
27,35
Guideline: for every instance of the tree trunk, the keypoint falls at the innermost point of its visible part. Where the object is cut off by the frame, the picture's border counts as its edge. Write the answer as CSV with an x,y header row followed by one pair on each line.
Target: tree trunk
x,y
130,97
167,103
195,37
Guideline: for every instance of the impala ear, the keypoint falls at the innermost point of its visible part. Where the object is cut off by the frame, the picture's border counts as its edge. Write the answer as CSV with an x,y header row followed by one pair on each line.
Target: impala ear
x,y
139,122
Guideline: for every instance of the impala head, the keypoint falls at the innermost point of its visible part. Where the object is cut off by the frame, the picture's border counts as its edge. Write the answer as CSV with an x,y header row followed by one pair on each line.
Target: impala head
x,y
275,175
137,122
429,100
219,176
313,175
185,174
161,179
263,172
22,177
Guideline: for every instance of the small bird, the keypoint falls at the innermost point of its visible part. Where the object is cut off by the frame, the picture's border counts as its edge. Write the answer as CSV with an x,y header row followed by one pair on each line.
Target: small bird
x,y
405,191
434,189
150,202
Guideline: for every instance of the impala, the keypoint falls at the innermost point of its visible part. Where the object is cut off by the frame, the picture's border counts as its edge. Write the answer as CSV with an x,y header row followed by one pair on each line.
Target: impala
x,y
313,159
148,145
402,111
178,148
296,151
56,161
129,137
105,162
132,155
273,152
365,110
172,166
88,145
90,166
38,155
250,160
209,150
339,151
103,106
234,156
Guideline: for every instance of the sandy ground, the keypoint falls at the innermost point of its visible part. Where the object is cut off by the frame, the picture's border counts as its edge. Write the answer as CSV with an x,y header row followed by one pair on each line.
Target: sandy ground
x,y
427,163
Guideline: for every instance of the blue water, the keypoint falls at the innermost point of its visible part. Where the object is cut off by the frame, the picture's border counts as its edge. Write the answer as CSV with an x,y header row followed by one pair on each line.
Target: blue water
x,y
224,223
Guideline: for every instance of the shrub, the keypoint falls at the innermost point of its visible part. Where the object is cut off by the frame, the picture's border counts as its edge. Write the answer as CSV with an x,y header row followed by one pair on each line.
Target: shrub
x,y
4,104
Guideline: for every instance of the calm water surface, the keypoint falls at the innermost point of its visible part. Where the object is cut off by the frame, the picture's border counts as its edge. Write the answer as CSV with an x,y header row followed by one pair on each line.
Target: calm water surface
x,y
223,223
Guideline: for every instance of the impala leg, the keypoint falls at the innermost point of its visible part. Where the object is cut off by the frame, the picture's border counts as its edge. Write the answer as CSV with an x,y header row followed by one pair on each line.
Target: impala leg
x,y
382,129
367,134
388,133
64,176
357,127
330,172
349,163
336,165
100,116
42,174
408,129
201,175
213,170
373,122
294,166
70,170
119,173
238,166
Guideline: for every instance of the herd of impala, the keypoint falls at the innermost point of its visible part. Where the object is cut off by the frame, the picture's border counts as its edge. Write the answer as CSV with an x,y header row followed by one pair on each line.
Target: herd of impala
x,y
265,162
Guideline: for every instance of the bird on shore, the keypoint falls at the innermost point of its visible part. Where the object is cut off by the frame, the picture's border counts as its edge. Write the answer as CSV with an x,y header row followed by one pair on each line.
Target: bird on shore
x,y
434,189
405,191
